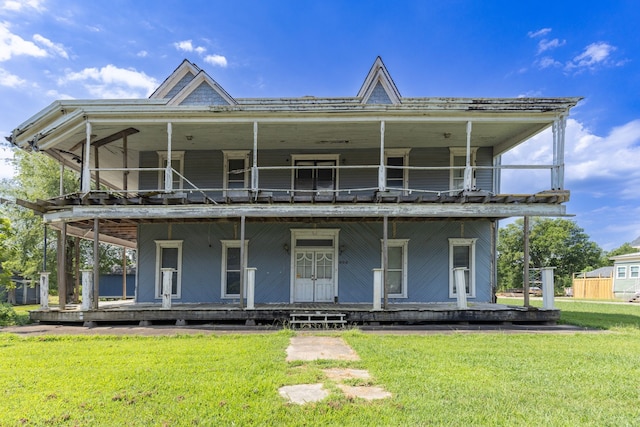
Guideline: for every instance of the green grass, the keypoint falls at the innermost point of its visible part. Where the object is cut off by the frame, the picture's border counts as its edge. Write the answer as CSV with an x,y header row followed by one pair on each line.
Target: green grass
x,y
582,378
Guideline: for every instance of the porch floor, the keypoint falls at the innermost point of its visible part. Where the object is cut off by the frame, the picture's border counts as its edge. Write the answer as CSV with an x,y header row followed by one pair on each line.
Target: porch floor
x,y
279,314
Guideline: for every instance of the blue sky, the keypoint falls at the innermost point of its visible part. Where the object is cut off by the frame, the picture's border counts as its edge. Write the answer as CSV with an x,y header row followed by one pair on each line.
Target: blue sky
x,y
55,49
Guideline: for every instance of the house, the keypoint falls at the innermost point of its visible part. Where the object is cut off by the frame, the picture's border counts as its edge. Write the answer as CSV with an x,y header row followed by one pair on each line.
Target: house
x,y
626,277
289,203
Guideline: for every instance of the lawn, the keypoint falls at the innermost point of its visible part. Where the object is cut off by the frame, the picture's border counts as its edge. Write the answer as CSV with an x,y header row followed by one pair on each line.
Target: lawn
x,y
581,378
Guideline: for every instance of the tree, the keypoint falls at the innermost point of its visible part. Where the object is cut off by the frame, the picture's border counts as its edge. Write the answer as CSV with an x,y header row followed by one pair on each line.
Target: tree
x,y
626,248
558,243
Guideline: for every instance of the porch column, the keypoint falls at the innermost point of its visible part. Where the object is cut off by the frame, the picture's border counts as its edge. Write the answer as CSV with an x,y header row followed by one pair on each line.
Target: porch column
x,y
562,124
497,173
86,172
125,163
554,169
97,168
525,242
124,273
385,260
62,270
251,287
87,290
254,167
44,290
468,173
167,285
61,179
168,174
461,287
377,288
382,173
96,264
548,290
243,265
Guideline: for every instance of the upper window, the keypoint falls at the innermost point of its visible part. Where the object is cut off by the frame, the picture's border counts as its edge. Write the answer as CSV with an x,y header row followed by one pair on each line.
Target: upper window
x,y
621,272
396,267
231,268
177,164
169,255
457,162
462,254
315,173
236,171
397,175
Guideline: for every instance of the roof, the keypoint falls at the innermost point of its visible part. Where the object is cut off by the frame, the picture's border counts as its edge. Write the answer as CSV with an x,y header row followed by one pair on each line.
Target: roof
x,y
636,242
626,257
598,272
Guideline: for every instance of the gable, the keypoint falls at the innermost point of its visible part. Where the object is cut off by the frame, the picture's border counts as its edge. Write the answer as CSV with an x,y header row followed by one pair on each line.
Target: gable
x,y
378,86
204,95
179,86
202,90
173,84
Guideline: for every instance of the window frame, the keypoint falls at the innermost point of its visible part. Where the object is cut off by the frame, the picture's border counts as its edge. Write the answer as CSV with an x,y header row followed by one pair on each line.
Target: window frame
x,y
471,243
621,269
235,155
404,245
404,154
168,244
162,159
461,152
227,244
316,157
634,271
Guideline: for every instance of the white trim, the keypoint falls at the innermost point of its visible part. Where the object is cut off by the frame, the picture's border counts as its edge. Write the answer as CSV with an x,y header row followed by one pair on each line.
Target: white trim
x,y
313,233
223,266
175,156
461,152
168,244
471,243
634,274
235,155
201,77
315,157
404,244
399,152
166,86
379,74
621,269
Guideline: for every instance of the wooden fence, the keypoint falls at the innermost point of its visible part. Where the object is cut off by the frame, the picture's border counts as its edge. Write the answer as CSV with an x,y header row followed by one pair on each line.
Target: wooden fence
x,y
593,287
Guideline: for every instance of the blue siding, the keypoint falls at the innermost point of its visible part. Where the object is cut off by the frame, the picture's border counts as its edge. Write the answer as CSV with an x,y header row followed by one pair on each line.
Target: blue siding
x,y
428,262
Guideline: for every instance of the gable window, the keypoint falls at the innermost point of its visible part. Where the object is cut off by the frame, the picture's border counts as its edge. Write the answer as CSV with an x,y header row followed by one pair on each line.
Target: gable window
x,y
457,162
397,174
462,253
315,173
396,267
621,272
177,164
169,255
634,272
231,268
236,171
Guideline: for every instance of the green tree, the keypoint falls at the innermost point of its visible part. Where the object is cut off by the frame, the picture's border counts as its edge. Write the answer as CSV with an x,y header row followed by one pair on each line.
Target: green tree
x,y
558,243
626,248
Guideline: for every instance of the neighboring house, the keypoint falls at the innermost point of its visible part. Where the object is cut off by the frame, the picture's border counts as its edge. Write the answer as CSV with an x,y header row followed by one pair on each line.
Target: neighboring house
x,y
636,243
314,193
22,292
626,275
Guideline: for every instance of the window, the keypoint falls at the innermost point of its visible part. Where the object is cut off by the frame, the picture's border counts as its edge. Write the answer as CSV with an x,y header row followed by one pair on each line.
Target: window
x,y
396,267
462,253
397,175
236,170
231,267
621,272
634,272
169,255
315,173
177,164
458,159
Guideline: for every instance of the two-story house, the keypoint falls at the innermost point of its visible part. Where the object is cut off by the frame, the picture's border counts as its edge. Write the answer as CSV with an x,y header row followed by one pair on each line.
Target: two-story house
x,y
316,197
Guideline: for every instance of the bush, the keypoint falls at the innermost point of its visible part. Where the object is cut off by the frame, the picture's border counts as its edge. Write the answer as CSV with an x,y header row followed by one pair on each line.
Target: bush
x,y
7,315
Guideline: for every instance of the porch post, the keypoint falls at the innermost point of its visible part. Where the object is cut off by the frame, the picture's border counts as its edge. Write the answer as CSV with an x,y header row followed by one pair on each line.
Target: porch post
x,y
243,265
124,273
251,287
561,131
168,174
554,169
76,268
377,288
461,287
382,173
547,288
86,172
468,173
385,260
96,264
44,290
97,167
525,239
61,179
254,167
62,273
167,284
87,290
497,173
125,163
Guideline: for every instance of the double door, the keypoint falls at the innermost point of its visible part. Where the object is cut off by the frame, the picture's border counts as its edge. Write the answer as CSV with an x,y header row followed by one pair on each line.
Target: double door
x,y
314,275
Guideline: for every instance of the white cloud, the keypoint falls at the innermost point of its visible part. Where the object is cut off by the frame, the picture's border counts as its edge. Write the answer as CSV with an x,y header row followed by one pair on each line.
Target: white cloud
x,y
539,33
142,54
594,55
13,45
547,62
10,80
19,5
545,44
56,48
113,82
187,46
217,60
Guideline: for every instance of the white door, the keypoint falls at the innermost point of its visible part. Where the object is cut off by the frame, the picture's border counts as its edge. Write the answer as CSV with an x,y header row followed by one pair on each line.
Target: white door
x,y
314,275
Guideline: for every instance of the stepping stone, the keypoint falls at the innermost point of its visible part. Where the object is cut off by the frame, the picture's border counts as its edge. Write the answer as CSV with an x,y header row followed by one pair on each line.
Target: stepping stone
x,y
341,374
303,393
314,348
367,393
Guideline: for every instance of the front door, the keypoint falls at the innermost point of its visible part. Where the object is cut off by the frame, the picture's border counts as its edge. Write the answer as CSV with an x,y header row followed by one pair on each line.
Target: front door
x,y
314,280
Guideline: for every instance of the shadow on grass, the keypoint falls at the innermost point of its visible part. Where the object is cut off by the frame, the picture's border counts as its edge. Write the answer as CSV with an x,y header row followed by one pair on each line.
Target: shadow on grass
x,y
599,320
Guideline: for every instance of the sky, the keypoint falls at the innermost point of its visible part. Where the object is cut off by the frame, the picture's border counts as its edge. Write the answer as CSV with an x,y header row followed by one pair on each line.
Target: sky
x,y
64,49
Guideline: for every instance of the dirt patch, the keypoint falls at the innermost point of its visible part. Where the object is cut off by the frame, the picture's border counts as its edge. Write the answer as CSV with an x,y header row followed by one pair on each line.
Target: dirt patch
x,y
316,347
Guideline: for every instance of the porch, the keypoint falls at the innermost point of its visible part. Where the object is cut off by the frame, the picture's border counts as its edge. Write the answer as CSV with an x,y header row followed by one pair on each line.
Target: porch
x,y
279,315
